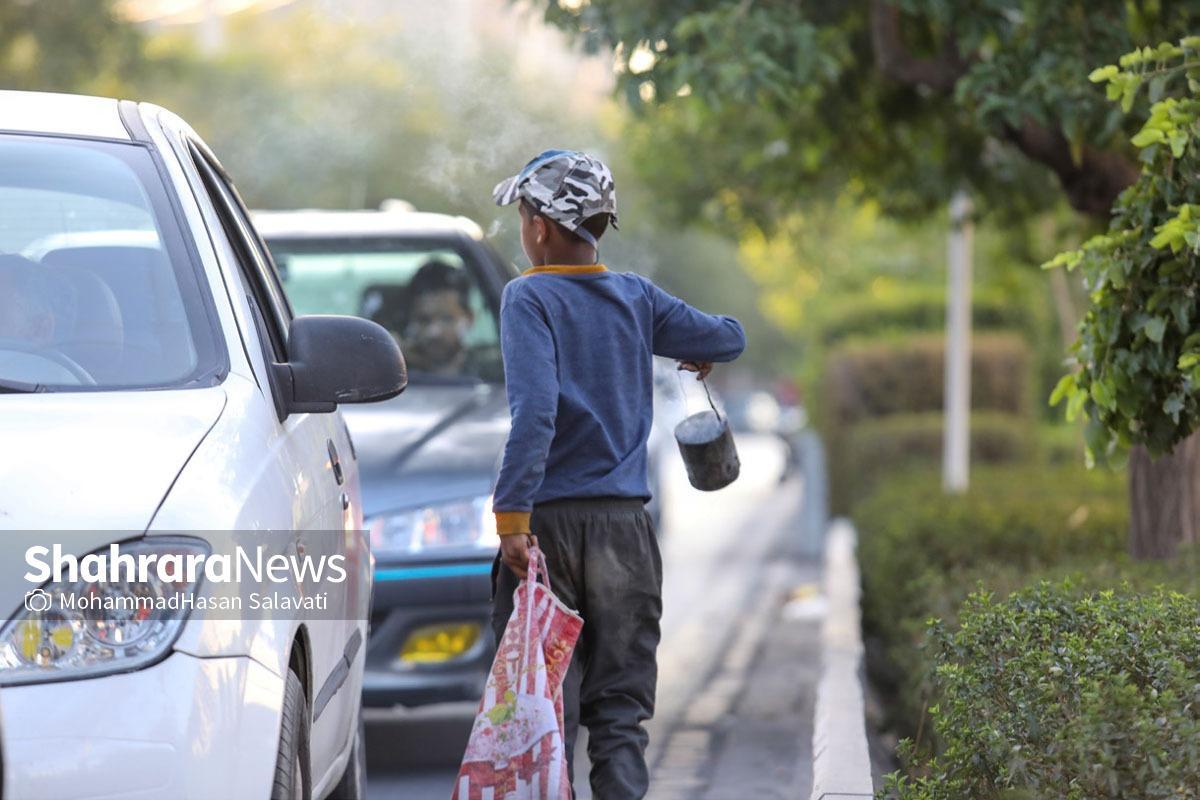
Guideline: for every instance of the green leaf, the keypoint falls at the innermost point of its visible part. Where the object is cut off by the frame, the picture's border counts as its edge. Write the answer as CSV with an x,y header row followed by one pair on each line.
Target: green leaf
x,y
1181,307
1065,387
1103,395
1129,93
1148,136
1157,87
1154,328
1098,439
1173,406
1169,234
1178,142
1075,405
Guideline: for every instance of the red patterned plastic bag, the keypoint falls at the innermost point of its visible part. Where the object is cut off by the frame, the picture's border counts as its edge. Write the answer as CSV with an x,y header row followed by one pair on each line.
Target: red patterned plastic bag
x,y
516,749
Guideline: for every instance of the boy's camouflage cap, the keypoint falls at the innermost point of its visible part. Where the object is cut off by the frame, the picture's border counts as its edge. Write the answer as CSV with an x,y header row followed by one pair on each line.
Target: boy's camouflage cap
x,y
565,185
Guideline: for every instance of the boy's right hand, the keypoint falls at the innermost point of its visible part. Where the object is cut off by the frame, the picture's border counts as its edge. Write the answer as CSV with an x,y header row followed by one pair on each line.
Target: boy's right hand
x,y
514,552
701,368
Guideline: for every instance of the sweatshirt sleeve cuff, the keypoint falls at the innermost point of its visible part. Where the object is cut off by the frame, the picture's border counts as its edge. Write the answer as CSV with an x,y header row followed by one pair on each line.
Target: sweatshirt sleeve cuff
x,y
509,523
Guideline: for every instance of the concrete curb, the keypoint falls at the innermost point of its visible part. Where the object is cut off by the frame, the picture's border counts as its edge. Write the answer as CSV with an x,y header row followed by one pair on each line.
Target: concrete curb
x,y
841,760
815,509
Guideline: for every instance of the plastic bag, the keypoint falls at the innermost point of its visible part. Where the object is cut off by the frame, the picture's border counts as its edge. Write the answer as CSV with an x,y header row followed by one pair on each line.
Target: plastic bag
x,y
516,749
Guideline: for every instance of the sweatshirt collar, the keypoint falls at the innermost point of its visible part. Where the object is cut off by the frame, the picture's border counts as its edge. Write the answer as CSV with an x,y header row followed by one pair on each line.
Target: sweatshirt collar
x,y
566,269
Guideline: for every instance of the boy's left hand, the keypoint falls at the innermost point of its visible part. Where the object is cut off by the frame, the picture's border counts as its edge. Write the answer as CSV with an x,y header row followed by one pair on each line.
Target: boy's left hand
x,y
514,552
701,368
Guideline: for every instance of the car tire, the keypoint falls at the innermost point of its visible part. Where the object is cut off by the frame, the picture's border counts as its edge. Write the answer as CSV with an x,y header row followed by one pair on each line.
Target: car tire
x,y
293,777
353,785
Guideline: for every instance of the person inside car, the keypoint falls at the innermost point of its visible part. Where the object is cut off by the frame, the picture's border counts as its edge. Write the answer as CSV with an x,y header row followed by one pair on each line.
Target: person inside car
x,y
25,313
27,325
437,318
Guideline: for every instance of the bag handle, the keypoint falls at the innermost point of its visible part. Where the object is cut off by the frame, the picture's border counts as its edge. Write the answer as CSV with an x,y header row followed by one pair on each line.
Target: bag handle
x,y
536,567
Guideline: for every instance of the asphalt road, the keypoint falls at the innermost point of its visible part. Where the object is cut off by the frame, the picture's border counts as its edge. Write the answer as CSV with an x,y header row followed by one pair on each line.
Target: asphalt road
x,y
719,550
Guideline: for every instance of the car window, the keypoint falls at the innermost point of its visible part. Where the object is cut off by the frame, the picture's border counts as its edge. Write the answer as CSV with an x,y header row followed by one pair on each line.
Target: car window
x,y
423,292
266,295
97,288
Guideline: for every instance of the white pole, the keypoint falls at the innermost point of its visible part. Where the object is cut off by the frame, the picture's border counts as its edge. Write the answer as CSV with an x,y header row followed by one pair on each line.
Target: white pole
x,y
212,28
956,436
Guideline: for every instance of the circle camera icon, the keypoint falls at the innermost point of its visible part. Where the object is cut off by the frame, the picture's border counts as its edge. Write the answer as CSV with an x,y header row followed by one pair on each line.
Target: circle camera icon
x,y
38,600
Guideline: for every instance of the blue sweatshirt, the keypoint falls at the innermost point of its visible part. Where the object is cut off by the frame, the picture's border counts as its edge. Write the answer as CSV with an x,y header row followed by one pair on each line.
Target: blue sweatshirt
x,y
577,344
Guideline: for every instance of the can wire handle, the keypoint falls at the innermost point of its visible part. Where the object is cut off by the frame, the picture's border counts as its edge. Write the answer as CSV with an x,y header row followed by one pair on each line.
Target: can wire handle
x,y
707,393
711,404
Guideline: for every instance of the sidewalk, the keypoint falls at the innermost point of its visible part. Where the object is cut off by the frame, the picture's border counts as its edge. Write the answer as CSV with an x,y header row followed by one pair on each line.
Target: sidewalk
x,y
739,664
749,734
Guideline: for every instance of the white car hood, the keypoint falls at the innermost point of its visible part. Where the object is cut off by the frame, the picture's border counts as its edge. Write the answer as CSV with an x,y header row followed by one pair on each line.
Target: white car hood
x,y
99,461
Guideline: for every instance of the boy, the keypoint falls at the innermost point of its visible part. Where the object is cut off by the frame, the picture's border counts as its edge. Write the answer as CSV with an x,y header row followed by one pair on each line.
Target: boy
x,y
577,343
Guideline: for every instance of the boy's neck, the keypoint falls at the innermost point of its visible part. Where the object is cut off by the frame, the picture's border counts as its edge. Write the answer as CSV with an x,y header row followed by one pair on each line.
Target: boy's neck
x,y
570,257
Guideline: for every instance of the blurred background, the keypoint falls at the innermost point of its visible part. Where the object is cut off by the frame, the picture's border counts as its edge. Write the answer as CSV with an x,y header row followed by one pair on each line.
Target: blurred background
x,y
321,104
817,244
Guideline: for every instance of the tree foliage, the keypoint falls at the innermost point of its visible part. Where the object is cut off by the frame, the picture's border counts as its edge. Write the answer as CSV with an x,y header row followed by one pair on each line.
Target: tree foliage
x,y
906,99
77,44
1138,352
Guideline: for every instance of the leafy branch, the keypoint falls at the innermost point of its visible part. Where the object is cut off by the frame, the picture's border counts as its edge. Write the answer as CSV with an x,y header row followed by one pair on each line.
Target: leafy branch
x,y
1138,353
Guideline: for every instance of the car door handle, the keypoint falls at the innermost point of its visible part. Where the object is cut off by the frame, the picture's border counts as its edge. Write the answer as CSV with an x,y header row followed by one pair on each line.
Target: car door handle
x,y
335,462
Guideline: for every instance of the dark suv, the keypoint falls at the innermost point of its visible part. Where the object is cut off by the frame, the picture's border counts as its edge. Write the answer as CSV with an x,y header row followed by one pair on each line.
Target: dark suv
x,y
427,460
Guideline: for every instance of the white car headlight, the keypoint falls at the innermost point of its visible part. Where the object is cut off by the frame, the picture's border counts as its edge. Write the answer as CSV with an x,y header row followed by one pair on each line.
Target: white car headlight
x,y
459,524
83,628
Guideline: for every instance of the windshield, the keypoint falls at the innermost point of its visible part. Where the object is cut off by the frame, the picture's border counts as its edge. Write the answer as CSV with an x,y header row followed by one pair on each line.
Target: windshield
x,y
423,293
96,290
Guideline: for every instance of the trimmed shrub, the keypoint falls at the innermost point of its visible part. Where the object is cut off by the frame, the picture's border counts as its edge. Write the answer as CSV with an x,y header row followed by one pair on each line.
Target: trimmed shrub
x,y
919,308
876,378
922,552
875,448
1020,306
867,381
1056,694
1027,516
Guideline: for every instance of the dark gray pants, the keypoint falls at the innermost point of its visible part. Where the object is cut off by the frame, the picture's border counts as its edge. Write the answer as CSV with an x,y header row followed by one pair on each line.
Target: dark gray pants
x,y
603,560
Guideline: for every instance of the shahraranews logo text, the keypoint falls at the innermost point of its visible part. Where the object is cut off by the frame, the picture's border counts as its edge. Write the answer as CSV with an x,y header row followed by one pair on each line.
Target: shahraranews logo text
x,y
114,566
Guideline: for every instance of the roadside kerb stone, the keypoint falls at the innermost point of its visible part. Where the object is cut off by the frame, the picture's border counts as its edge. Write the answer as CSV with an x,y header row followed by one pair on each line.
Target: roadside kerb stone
x,y
841,760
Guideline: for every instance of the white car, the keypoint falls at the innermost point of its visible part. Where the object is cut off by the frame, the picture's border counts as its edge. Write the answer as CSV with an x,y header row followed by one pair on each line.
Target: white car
x,y
156,393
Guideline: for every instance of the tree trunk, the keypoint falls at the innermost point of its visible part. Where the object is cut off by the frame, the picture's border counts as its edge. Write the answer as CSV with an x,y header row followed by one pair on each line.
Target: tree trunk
x,y
1164,500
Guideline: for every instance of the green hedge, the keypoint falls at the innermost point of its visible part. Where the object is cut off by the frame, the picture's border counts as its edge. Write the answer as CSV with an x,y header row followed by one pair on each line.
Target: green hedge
x,y
1028,515
1021,307
879,377
882,402
1056,694
919,308
922,552
872,449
